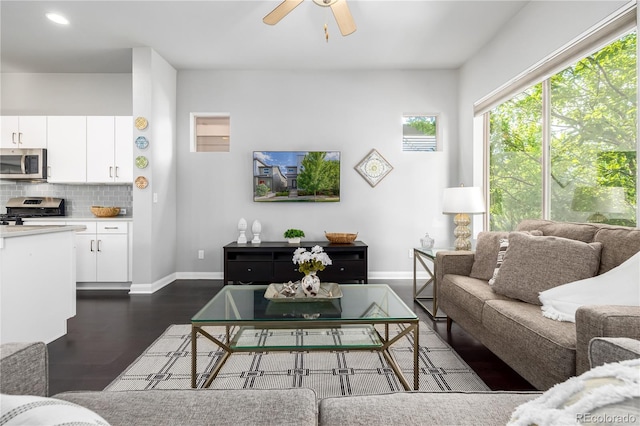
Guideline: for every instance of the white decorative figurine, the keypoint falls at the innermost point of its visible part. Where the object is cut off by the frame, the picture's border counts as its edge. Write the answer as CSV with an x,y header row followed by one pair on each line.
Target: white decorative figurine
x,y
242,227
256,227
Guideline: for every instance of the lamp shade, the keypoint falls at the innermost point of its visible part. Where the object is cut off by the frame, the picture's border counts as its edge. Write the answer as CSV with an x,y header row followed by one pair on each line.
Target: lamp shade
x,y
463,199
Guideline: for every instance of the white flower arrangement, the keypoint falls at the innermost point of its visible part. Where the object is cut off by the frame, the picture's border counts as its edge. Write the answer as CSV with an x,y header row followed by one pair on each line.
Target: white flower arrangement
x,y
315,260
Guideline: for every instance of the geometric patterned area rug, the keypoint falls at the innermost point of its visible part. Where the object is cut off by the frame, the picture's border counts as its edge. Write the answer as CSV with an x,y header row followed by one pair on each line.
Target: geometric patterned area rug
x,y
166,364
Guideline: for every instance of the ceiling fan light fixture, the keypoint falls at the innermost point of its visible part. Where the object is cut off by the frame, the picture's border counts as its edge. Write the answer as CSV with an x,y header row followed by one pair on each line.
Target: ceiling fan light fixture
x,y
340,10
324,3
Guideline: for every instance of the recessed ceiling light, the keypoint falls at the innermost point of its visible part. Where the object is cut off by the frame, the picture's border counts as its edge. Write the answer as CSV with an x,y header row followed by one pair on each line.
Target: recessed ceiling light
x,y
58,19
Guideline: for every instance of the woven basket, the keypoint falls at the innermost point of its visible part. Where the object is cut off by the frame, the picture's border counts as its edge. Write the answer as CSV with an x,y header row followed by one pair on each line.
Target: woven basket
x,y
340,238
100,211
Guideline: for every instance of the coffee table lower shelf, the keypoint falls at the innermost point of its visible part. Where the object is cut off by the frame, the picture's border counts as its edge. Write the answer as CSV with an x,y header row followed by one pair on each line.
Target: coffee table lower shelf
x,y
232,342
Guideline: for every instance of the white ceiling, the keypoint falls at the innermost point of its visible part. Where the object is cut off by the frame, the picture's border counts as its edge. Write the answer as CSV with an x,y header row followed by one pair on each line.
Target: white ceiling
x,y
217,34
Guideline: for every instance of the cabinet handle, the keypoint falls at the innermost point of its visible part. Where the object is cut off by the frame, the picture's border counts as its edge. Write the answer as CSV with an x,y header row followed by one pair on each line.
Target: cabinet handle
x,y
110,171
111,227
117,171
248,269
91,245
13,137
19,138
341,269
99,241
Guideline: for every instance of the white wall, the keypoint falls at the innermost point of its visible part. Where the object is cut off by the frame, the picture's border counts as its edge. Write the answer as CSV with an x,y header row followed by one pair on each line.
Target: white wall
x,y
349,111
154,223
65,94
537,31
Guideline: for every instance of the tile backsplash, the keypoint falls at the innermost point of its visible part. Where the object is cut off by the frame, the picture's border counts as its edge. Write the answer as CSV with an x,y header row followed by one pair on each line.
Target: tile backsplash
x,y
78,198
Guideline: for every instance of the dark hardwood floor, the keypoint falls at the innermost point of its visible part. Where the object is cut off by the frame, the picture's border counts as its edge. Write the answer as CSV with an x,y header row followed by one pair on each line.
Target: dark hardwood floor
x,y
112,328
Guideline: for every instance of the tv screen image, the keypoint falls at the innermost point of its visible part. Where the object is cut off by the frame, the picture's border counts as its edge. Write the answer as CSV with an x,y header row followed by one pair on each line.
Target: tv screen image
x,y
296,176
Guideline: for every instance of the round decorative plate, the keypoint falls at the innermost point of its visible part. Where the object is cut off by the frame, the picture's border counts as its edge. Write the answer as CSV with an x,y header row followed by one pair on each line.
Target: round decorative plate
x,y
141,162
142,182
142,142
141,123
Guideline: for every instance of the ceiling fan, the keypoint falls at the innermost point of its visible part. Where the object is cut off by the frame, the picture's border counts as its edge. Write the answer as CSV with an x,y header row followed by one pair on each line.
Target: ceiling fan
x,y
339,8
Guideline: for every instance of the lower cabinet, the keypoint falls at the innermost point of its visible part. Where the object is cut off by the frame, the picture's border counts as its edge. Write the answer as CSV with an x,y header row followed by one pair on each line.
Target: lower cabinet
x,y
103,252
269,262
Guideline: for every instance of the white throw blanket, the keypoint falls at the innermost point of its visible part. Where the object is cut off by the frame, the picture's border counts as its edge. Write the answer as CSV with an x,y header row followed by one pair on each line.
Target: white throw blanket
x,y
619,286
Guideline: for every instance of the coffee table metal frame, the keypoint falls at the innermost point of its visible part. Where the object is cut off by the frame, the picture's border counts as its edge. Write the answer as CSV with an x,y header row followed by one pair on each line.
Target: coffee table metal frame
x,y
300,323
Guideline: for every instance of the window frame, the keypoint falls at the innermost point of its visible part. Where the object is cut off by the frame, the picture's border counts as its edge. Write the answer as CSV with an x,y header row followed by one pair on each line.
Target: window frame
x,y
193,136
607,31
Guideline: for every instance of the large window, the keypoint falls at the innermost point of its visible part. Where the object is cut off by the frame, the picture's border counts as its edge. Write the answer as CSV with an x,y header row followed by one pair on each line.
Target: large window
x,y
565,149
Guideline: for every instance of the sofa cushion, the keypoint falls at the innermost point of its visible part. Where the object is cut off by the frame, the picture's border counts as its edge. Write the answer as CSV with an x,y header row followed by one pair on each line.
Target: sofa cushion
x,y
504,245
618,245
486,255
201,406
618,286
469,293
38,410
422,408
538,348
609,394
533,264
584,232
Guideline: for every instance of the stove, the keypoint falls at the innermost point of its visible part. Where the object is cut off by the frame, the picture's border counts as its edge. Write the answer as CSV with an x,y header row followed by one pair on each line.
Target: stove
x,y
22,207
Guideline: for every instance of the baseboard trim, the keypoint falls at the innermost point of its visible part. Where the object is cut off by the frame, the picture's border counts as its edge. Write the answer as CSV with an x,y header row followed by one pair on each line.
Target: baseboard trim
x,y
199,275
149,288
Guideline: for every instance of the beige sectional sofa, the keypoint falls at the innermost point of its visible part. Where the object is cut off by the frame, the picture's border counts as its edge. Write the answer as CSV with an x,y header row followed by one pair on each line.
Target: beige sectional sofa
x,y
542,350
24,372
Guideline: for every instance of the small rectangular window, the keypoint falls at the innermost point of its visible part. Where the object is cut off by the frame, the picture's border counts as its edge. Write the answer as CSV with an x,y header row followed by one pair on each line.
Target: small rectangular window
x,y
420,132
210,132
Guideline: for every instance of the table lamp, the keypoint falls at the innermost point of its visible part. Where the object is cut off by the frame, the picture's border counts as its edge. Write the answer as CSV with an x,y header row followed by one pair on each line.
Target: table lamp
x,y
461,202
598,200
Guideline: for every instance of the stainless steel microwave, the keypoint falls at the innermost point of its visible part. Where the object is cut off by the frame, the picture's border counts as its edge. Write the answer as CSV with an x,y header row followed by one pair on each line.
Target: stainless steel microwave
x,y
23,164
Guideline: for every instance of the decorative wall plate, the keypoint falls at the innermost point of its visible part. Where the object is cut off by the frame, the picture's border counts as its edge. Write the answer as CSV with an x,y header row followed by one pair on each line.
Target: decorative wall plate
x,y
142,142
141,162
373,167
142,182
141,123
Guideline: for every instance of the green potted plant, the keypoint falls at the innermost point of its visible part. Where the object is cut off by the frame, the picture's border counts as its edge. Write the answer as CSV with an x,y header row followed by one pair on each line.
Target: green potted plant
x,y
293,235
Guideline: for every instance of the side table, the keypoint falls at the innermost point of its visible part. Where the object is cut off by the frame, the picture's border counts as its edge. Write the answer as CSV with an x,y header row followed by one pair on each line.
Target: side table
x,y
423,256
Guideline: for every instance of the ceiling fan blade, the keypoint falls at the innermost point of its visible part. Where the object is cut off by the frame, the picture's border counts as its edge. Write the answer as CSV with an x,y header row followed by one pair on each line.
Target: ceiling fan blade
x,y
280,11
343,17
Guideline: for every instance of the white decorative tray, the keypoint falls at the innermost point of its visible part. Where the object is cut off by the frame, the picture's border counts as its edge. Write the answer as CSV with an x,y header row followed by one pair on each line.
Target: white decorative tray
x,y
327,292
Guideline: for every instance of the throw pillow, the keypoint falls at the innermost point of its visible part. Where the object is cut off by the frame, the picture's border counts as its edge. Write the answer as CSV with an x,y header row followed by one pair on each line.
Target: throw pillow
x,y
609,394
618,286
504,244
37,410
534,264
486,254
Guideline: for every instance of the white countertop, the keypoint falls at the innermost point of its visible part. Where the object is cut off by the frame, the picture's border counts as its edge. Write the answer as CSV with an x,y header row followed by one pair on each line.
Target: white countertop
x,y
8,231
78,219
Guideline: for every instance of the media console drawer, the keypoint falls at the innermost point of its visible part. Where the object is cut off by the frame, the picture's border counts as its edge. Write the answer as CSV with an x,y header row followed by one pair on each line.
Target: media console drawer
x,y
270,262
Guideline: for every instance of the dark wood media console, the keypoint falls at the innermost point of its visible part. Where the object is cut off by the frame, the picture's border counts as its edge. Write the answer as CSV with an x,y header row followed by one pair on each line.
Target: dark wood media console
x,y
271,262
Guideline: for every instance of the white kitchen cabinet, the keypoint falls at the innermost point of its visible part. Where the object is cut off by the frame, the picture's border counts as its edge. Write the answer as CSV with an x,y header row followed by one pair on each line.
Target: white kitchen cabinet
x,y
124,149
109,149
103,252
67,149
23,132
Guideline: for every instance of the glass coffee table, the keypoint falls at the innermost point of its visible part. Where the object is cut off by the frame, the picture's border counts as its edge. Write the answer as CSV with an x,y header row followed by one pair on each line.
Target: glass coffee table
x,y
242,309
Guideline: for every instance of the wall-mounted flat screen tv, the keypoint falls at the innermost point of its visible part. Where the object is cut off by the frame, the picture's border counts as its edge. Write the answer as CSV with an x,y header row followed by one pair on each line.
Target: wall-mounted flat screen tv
x,y
296,176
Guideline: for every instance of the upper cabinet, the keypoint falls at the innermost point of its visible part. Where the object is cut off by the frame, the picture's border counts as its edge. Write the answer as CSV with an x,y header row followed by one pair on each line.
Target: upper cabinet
x,y
23,132
67,149
109,149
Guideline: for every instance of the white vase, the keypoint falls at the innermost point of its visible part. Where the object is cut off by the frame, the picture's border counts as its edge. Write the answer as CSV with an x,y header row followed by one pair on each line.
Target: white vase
x,y
310,284
295,240
256,228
